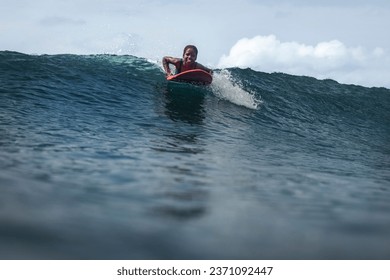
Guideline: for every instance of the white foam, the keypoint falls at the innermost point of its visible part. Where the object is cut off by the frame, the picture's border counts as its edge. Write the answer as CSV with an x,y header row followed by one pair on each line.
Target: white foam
x,y
226,87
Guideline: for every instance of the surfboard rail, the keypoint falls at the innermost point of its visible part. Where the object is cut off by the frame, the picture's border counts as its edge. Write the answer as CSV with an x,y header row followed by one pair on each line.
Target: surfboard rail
x,y
194,76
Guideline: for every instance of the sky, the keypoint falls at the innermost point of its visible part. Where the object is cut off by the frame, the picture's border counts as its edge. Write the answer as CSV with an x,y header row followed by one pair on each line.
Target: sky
x,y
344,40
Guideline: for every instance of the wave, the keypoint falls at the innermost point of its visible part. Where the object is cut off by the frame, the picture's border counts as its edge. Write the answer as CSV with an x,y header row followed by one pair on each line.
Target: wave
x,y
283,99
298,104
104,143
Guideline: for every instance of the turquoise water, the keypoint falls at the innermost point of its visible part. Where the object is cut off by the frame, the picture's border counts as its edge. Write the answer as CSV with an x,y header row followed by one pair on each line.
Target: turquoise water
x,y
101,158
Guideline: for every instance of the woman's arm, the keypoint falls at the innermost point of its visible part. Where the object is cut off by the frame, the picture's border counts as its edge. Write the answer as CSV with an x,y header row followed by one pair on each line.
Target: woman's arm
x,y
200,66
169,60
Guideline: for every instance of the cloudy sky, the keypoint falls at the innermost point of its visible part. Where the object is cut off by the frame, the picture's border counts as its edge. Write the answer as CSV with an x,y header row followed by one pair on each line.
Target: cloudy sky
x,y
346,40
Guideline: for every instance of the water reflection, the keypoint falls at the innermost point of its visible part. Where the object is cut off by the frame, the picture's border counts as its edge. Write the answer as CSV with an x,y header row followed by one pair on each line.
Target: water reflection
x,y
184,103
180,152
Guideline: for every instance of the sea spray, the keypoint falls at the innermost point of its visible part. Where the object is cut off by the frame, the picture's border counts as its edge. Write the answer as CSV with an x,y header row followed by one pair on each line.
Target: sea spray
x,y
225,86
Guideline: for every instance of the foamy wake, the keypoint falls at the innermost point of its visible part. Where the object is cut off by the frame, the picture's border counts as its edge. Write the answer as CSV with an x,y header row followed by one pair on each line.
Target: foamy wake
x,y
226,87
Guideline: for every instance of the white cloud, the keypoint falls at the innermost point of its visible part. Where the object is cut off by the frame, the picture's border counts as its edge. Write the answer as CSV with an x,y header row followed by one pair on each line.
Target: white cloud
x,y
331,59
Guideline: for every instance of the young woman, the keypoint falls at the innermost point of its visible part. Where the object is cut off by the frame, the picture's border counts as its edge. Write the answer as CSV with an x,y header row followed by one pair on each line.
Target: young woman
x,y
188,62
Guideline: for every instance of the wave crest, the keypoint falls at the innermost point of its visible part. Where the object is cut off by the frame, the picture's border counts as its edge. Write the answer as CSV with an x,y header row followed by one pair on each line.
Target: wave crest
x,y
225,86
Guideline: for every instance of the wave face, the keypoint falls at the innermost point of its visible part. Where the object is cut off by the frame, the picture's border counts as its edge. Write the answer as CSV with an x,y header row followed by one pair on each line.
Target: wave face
x,y
101,158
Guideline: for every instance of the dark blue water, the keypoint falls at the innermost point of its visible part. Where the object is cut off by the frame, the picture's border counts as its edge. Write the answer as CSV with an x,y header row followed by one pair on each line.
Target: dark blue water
x,y
101,158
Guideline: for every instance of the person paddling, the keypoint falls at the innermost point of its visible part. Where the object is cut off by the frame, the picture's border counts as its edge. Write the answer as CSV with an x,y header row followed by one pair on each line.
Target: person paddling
x,y
188,62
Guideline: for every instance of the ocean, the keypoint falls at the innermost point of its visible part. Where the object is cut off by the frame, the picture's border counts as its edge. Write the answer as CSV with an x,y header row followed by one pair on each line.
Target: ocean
x,y
102,158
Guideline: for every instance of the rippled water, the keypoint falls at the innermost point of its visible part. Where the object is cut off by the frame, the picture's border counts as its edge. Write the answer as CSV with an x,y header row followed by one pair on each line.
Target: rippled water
x,y
101,158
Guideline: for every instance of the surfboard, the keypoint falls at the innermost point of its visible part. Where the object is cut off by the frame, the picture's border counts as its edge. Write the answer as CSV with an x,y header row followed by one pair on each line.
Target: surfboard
x,y
194,76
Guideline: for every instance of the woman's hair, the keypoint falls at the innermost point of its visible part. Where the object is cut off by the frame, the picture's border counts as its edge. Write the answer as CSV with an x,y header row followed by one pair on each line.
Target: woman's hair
x,y
190,47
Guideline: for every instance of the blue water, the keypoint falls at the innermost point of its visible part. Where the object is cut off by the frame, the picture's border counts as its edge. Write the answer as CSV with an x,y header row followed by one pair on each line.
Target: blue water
x,y
101,158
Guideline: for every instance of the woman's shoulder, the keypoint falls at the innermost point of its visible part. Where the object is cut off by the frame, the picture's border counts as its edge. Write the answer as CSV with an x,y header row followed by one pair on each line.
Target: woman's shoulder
x,y
172,59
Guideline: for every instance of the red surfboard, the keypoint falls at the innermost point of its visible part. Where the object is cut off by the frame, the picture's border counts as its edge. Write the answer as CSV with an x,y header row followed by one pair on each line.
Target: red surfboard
x,y
194,76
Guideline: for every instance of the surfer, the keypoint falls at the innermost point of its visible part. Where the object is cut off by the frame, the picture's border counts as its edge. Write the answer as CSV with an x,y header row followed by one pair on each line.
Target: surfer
x,y
188,62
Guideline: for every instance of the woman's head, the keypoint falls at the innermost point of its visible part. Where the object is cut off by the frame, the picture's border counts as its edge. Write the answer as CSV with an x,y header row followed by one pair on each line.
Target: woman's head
x,y
190,53
190,47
